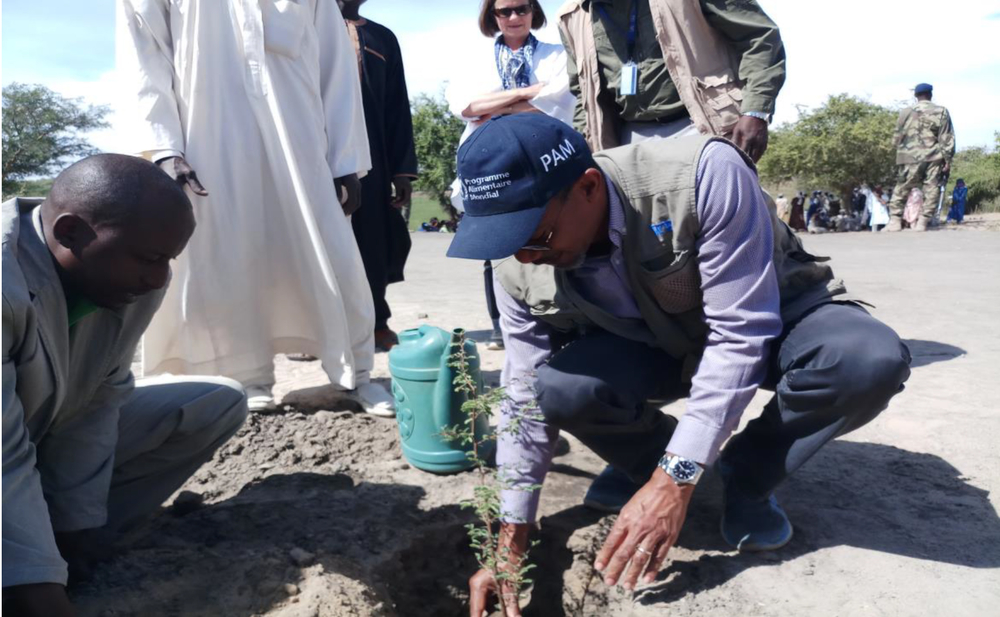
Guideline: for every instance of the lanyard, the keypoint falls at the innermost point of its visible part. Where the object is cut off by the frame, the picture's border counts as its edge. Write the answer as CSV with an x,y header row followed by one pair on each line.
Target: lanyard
x,y
633,18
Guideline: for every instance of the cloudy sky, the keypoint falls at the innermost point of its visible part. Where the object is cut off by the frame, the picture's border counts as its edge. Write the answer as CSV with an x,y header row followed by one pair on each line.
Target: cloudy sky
x,y
872,48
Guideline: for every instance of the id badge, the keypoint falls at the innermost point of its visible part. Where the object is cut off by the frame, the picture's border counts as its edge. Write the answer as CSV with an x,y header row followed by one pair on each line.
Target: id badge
x,y
630,75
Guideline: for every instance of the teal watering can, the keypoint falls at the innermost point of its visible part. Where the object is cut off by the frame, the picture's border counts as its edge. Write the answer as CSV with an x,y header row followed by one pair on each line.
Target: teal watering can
x,y
426,401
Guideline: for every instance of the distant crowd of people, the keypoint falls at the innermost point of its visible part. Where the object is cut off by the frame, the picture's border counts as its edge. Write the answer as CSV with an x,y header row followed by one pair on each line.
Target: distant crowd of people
x,y
441,225
867,208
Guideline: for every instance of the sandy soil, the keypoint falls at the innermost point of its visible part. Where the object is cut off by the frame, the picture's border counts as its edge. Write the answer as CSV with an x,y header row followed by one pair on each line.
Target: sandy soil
x,y
312,511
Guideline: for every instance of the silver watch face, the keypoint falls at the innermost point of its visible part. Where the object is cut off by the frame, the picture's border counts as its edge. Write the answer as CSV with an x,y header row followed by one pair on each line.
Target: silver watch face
x,y
684,471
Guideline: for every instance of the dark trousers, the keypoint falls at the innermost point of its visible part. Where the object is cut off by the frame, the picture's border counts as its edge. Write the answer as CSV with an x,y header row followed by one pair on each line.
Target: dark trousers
x,y
383,241
491,297
832,371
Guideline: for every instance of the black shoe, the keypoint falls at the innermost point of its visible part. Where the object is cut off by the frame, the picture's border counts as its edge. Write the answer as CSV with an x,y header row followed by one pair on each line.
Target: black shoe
x,y
385,339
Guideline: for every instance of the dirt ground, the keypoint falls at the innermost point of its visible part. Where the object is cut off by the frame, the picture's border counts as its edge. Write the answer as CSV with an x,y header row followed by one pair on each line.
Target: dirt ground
x,y
312,511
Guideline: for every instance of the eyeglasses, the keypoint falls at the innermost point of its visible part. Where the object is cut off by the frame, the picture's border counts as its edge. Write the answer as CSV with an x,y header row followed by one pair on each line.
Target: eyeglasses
x,y
542,245
521,10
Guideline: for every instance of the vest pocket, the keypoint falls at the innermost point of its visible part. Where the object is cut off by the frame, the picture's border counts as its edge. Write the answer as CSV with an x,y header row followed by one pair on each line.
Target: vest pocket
x,y
284,27
677,288
722,95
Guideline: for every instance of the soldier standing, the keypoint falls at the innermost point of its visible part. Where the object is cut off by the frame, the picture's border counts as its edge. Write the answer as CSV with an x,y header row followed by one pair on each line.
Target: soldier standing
x,y
925,144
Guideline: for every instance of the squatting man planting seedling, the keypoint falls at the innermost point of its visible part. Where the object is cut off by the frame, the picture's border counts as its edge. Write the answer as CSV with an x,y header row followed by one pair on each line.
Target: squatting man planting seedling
x,y
642,274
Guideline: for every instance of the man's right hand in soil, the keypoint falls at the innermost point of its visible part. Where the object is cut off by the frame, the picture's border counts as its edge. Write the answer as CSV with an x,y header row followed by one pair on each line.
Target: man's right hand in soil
x,y
37,600
179,169
483,587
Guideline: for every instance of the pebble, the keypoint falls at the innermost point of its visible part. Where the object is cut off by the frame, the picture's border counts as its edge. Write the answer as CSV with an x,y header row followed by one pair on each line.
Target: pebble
x,y
292,590
421,315
301,557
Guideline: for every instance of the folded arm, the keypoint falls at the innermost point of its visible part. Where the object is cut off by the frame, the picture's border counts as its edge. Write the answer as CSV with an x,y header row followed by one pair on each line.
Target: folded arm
x,y
499,102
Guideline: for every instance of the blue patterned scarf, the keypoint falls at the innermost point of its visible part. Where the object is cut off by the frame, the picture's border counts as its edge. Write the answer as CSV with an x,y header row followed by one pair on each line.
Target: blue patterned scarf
x,y
514,67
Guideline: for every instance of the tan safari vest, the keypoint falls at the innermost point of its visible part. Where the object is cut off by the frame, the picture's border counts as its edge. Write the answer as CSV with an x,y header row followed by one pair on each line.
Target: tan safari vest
x,y
708,82
663,268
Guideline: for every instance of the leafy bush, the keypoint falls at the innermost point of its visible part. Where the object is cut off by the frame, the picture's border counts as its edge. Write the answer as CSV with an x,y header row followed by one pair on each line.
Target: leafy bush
x,y
843,143
41,132
436,132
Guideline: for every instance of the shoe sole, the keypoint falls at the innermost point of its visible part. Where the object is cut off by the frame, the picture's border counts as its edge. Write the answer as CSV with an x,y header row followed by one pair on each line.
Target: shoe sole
x,y
602,507
381,413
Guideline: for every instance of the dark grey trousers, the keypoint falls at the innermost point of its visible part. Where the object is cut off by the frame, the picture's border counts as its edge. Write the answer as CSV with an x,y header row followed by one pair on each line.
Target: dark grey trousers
x,y
167,429
832,371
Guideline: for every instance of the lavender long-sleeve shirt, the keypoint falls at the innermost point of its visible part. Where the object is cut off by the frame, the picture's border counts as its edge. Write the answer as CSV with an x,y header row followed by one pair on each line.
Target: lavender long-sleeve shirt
x,y
741,306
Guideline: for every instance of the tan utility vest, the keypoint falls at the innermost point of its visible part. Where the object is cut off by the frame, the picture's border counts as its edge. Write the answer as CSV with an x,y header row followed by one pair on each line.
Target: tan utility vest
x,y
708,82
656,184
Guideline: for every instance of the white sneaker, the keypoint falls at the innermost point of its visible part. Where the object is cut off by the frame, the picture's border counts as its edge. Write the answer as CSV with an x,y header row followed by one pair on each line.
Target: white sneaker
x,y
259,398
375,400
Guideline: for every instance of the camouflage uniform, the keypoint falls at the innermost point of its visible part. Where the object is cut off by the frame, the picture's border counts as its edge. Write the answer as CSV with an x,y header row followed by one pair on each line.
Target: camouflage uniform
x,y
925,141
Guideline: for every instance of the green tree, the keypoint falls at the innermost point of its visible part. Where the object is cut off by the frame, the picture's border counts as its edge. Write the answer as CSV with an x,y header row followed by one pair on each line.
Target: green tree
x,y
839,145
980,168
41,130
436,132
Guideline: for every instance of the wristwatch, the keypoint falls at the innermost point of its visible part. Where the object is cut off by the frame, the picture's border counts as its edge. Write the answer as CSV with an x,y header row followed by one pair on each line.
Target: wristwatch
x,y
760,115
682,470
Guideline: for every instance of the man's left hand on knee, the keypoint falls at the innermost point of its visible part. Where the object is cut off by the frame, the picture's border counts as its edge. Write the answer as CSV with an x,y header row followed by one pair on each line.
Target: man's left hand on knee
x,y
645,531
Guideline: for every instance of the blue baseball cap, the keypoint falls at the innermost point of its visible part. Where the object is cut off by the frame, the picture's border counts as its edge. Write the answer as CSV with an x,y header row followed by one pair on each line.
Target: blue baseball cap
x,y
922,88
509,169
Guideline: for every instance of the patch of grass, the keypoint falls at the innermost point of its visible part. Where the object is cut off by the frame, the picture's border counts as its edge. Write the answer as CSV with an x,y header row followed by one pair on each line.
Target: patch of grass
x,y
422,208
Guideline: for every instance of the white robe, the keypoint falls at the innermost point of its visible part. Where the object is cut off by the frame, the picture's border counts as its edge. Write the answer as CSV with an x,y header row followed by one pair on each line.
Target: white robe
x,y
263,100
548,65
878,212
